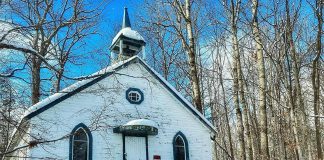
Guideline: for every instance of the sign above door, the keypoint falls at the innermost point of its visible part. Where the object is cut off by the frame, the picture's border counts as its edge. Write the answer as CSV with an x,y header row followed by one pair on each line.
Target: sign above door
x,y
138,127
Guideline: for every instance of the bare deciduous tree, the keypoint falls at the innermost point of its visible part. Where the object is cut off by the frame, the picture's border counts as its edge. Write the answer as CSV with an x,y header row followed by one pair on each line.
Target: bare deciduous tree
x,y
45,25
262,82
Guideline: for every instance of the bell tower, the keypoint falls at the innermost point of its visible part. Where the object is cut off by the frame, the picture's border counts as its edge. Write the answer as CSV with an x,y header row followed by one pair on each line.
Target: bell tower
x,y
127,43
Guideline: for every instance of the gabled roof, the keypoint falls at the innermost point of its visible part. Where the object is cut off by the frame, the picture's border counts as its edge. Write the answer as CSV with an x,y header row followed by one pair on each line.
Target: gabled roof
x,y
81,85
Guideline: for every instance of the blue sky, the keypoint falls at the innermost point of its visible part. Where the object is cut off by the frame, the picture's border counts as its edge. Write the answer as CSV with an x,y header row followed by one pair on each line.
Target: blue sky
x,y
96,49
109,24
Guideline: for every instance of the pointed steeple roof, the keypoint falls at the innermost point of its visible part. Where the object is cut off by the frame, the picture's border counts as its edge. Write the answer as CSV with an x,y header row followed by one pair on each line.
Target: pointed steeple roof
x,y
126,21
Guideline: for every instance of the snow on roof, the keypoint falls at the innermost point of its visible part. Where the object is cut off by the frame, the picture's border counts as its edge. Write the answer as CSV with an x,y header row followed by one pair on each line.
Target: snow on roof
x,y
143,122
73,87
180,96
112,68
128,32
14,35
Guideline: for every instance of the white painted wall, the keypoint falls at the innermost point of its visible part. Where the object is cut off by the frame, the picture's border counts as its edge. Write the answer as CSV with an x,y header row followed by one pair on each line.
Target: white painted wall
x,y
103,106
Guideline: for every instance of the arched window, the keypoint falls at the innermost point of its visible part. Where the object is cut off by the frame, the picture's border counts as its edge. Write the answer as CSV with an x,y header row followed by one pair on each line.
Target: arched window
x,y
180,147
81,143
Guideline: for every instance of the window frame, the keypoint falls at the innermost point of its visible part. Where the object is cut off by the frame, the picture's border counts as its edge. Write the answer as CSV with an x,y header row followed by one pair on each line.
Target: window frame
x,y
89,140
134,94
185,143
135,90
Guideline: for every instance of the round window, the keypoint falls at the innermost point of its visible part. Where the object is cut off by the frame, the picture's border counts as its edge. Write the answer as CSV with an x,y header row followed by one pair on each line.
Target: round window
x,y
134,95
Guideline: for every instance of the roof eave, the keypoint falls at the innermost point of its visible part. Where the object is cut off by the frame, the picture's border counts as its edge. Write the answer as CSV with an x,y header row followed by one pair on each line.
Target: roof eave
x,y
131,60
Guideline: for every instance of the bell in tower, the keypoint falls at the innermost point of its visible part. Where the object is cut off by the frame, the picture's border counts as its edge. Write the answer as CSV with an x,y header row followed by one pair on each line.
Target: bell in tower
x,y
127,42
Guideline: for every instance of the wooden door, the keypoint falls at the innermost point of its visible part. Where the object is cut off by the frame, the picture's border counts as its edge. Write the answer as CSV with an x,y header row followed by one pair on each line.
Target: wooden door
x,y
135,148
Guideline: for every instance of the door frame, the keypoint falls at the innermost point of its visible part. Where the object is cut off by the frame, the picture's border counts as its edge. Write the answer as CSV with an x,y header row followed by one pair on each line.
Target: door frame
x,y
124,145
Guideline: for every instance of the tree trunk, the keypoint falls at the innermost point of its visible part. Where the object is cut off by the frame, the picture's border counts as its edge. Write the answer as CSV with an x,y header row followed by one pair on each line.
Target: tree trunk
x,y
299,112
247,133
239,125
292,108
316,80
262,84
228,129
57,85
316,90
35,80
192,59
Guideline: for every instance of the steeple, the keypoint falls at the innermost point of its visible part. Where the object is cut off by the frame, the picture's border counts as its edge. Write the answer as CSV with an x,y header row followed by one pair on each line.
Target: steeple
x,y
127,43
126,21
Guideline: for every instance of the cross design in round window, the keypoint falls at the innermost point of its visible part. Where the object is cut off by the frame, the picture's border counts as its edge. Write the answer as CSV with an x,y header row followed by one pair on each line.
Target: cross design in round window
x,y
134,96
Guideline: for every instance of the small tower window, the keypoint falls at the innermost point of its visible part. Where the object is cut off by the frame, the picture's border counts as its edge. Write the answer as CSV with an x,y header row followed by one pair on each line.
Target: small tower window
x,y
134,96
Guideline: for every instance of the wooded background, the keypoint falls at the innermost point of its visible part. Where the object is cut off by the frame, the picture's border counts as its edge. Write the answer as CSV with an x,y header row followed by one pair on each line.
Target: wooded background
x,y
254,68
